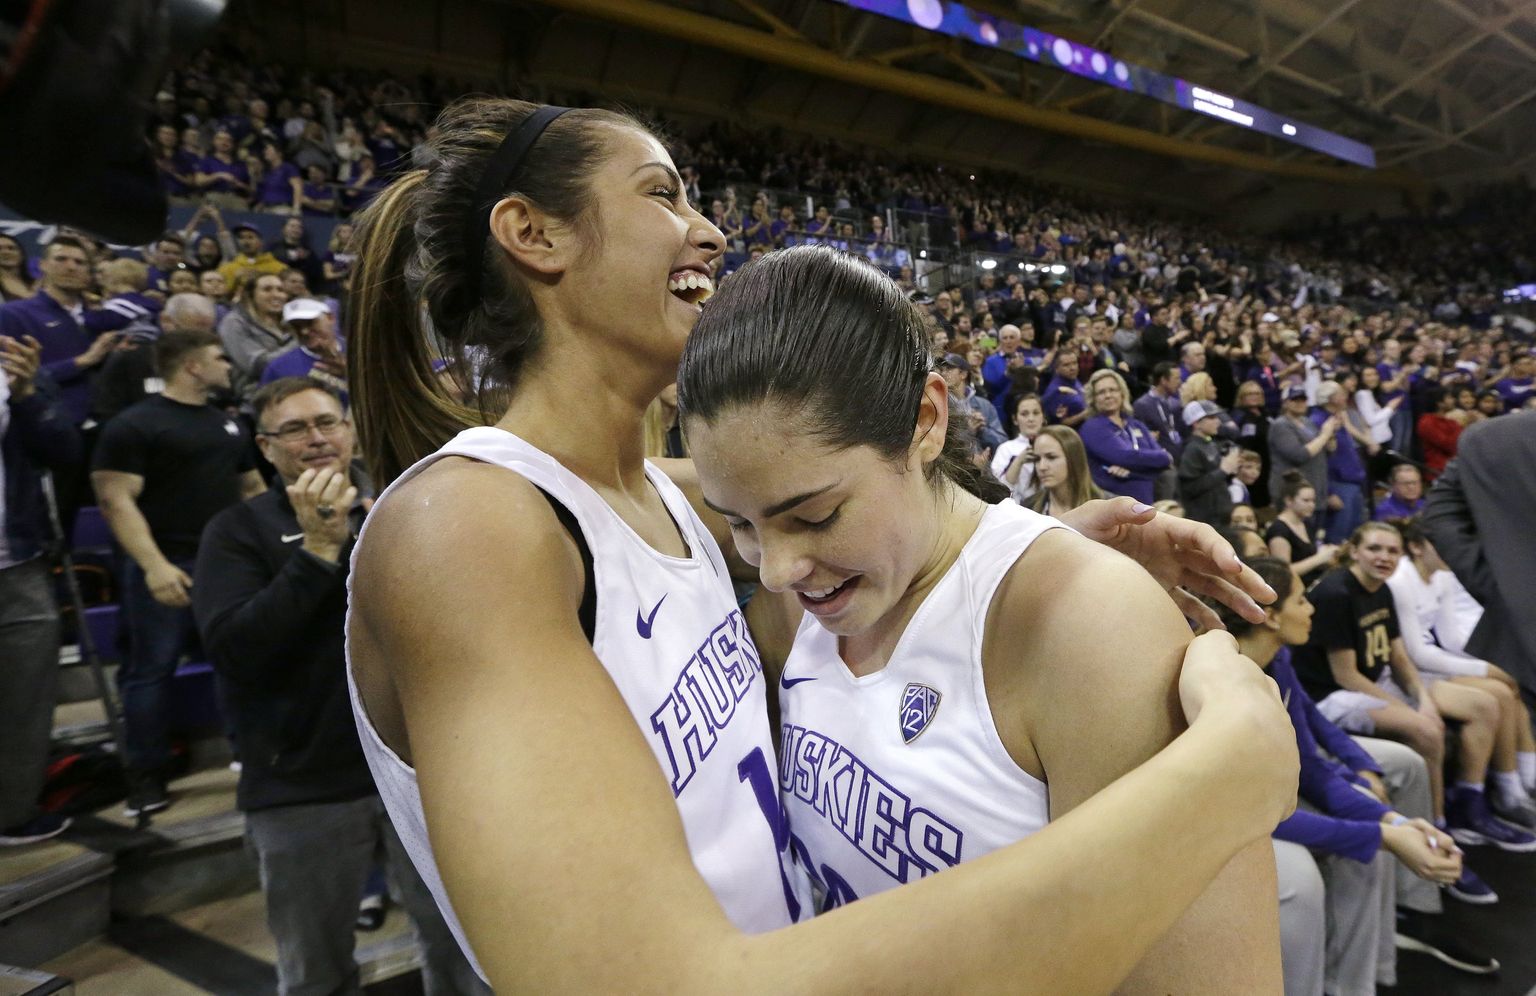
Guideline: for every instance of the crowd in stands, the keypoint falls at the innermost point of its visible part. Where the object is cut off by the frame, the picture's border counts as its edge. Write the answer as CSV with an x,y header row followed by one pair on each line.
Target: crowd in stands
x,y
1290,392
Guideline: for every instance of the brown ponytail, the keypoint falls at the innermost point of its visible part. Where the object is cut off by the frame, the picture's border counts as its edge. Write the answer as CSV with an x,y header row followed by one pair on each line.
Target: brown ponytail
x,y
413,264
401,411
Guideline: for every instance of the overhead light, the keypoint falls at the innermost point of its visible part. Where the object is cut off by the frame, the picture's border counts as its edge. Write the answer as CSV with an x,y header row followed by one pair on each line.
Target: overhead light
x,y
922,254
1021,266
1058,268
989,264
1028,267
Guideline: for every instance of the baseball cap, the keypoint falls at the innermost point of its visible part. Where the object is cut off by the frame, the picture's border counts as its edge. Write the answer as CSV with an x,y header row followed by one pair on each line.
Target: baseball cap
x,y
1197,410
245,226
955,361
1269,316
987,342
303,309
1294,391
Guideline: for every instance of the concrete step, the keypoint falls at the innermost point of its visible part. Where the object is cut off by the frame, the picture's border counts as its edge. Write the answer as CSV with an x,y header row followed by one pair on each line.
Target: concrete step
x,y
58,899
58,894
26,982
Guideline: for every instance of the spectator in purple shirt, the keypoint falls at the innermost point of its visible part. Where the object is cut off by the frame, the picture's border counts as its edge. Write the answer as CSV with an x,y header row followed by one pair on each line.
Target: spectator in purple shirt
x,y
53,316
222,176
1124,455
177,182
782,231
1359,816
189,157
1347,480
1520,385
279,189
1063,399
317,196
1161,409
1406,499
1397,380
317,353
164,257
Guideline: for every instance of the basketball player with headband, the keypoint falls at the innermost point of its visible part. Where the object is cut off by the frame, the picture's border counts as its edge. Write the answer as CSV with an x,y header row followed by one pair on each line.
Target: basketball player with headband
x,y
556,691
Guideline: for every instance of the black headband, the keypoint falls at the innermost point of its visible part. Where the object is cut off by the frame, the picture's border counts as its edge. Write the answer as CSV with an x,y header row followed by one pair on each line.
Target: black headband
x,y
498,173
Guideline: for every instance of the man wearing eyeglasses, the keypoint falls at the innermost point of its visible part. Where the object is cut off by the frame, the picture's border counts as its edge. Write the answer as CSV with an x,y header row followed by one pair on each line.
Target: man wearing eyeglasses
x,y
163,468
271,602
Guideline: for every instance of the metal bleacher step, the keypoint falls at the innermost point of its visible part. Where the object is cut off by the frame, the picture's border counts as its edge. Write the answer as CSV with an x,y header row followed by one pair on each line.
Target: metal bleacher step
x,y
59,894
16,981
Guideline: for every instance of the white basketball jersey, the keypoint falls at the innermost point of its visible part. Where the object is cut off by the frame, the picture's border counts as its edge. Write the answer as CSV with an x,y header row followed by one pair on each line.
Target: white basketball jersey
x,y
673,640
899,774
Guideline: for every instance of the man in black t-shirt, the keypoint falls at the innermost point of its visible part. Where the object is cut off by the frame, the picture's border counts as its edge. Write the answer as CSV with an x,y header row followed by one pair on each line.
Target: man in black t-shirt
x,y
1345,667
128,376
162,469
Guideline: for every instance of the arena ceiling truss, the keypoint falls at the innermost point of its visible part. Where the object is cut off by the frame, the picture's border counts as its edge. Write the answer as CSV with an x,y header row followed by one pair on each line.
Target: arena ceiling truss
x,y
1443,90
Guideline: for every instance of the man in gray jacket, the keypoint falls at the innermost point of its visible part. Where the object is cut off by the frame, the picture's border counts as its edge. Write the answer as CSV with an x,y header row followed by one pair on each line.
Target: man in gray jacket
x,y
1296,444
1479,516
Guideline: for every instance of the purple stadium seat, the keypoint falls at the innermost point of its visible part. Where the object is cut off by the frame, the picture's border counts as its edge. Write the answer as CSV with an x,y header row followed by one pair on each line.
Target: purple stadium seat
x,y
104,625
91,530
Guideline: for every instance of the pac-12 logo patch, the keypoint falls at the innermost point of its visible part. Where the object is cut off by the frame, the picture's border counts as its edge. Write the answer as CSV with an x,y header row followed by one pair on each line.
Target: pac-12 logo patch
x,y
918,704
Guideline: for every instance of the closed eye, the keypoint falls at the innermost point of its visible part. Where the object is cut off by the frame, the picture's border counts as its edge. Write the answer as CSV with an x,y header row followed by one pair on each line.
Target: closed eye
x,y
823,523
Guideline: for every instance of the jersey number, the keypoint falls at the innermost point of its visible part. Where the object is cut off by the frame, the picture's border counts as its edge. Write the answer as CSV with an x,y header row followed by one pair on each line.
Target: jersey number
x,y
1378,647
754,770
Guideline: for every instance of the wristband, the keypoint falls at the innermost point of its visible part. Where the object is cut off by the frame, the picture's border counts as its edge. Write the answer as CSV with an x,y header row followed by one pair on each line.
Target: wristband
x,y
1397,820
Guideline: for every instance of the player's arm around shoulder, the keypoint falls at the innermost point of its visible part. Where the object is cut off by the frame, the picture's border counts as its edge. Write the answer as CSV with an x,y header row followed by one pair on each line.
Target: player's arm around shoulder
x,y
1082,663
551,822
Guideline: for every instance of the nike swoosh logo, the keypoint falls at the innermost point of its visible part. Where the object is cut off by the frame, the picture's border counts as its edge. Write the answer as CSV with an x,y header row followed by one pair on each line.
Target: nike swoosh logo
x,y
643,623
787,683
294,538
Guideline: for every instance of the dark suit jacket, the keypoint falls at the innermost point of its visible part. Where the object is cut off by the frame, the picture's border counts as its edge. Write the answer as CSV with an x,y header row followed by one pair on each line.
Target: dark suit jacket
x,y
1481,516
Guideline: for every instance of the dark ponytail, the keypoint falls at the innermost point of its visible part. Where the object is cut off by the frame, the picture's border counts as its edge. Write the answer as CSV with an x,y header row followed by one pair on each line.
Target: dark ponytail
x,y
1292,483
829,337
1276,573
414,301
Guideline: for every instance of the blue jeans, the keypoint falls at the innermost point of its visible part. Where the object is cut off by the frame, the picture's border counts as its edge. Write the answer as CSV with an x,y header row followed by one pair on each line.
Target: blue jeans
x,y
1343,523
158,636
1402,429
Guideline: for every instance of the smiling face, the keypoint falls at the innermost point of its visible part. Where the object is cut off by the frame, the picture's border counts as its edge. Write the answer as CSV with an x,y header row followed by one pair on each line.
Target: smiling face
x,y
845,528
313,448
644,279
268,295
